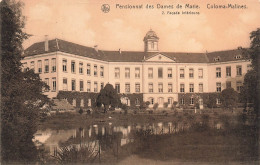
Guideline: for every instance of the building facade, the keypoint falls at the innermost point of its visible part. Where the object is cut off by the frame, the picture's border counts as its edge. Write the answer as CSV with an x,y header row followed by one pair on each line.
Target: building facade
x,y
152,75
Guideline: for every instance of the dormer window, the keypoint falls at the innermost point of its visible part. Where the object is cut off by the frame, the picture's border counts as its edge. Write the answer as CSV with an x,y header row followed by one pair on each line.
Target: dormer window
x,y
217,59
238,56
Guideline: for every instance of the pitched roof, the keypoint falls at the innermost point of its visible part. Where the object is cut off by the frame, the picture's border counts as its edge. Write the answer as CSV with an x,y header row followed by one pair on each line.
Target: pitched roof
x,y
128,56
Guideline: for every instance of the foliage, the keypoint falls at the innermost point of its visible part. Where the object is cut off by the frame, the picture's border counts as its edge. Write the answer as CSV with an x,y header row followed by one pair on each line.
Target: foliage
x,y
155,106
73,154
144,105
22,95
211,103
229,98
80,111
174,105
108,97
165,105
251,87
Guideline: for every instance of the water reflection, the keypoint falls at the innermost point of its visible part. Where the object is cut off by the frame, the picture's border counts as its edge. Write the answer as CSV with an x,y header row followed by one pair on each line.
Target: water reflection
x,y
109,140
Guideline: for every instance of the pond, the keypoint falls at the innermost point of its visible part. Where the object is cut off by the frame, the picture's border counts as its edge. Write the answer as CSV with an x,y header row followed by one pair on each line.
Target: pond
x,y
210,140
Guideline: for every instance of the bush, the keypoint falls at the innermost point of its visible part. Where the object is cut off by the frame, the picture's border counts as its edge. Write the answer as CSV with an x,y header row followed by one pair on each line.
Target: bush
x,y
80,111
155,106
165,105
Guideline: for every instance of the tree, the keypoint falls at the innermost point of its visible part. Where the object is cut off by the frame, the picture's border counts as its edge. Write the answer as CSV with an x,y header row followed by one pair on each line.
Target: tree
x,y
229,98
211,102
251,85
21,92
108,97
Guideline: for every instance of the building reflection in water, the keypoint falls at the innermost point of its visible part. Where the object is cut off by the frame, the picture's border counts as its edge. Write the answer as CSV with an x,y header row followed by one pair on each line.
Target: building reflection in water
x,y
52,140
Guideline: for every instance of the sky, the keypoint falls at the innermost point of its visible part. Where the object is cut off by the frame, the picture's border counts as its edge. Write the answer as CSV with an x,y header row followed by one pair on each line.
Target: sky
x,y
83,22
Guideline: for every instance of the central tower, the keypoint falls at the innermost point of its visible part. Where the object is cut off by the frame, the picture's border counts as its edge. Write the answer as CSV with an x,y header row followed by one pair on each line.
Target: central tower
x,y
151,42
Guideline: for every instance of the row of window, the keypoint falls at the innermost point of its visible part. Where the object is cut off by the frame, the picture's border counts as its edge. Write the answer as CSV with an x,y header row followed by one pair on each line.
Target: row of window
x,y
127,88
160,73
39,66
81,68
161,100
228,71
64,67
239,85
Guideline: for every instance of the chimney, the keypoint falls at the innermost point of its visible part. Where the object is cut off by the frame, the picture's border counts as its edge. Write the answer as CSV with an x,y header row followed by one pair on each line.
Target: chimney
x,y
96,48
119,51
46,44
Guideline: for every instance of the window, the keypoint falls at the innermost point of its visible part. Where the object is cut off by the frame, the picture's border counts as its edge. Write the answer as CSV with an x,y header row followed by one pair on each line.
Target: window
x,y
160,72
137,87
102,85
32,65
73,85
95,87
53,64
151,100
137,102
127,88
64,65
39,66
25,66
65,84
46,66
218,101
239,70
74,102
81,102
160,100
88,69
217,59
249,67
239,86
137,72
150,72
181,73
150,87
101,71
160,87
191,88
72,66
170,87
182,89
200,87
218,84
169,72
88,86
117,72
238,56
127,72
218,72
182,101
191,73
81,85
200,73
95,70
46,80
117,88
191,101
228,71
170,100
80,68
228,84
53,84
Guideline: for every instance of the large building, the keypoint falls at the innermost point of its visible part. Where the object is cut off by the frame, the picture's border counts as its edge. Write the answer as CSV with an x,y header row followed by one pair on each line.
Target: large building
x,y
149,75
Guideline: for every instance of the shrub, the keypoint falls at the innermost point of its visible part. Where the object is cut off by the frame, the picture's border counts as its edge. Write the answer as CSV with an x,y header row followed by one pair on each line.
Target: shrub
x,y
165,105
155,106
80,111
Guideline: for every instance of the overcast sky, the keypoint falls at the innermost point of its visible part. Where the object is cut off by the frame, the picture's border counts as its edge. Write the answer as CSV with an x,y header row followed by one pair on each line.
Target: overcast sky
x,y
83,22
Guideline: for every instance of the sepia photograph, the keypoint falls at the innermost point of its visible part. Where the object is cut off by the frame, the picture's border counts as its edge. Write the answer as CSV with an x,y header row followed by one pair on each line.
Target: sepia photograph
x,y
122,82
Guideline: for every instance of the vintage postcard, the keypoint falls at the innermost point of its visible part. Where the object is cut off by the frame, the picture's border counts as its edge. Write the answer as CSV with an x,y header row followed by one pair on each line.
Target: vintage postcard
x,y
132,82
